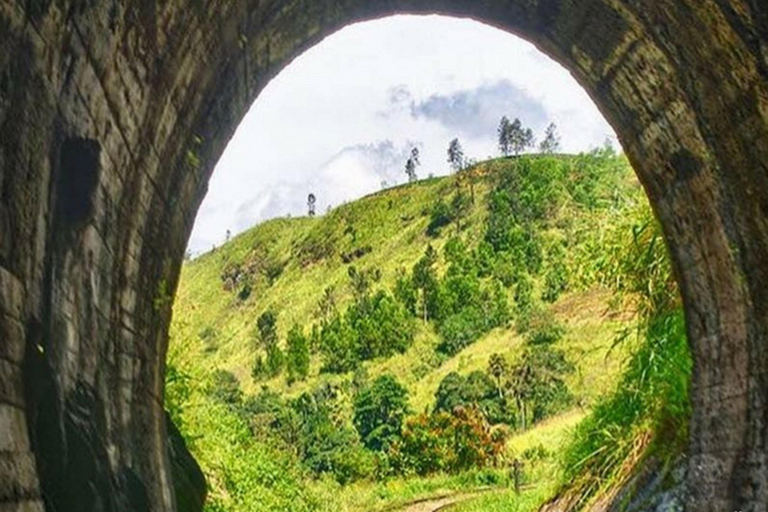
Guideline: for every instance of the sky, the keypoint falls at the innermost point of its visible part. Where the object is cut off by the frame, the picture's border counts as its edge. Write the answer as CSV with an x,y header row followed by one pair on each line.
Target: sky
x,y
341,119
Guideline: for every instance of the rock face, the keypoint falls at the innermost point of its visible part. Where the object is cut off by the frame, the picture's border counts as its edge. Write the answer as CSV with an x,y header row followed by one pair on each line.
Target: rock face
x,y
113,114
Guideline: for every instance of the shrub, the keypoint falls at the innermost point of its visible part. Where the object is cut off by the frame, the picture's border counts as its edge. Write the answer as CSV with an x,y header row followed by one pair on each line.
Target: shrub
x,y
272,269
449,442
297,355
439,217
225,388
543,328
318,244
245,290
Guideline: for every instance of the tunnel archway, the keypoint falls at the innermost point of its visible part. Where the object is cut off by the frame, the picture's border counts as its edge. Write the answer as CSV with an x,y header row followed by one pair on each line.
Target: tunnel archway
x,y
138,99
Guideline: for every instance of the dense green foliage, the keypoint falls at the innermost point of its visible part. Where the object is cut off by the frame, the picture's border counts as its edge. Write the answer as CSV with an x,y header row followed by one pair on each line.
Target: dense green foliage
x,y
475,390
463,304
380,409
373,326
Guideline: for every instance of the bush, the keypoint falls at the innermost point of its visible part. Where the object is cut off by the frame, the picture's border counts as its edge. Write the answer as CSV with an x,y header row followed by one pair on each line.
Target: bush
x,y
272,270
319,244
446,442
244,290
543,328
225,388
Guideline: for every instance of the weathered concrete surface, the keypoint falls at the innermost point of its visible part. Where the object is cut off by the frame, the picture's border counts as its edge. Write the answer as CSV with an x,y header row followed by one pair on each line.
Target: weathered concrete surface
x,y
113,113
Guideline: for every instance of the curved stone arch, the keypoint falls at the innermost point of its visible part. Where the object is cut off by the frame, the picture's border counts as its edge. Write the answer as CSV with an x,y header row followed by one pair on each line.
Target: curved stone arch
x,y
112,118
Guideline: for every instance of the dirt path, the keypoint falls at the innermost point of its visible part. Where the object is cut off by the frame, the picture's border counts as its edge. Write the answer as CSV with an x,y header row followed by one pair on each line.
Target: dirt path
x,y
441,503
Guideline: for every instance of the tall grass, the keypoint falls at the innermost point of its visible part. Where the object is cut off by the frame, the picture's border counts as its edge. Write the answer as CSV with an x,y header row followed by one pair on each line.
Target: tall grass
x,y
648,413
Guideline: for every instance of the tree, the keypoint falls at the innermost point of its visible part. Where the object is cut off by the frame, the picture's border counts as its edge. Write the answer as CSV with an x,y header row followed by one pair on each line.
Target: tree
x,y
451,392
225,388
455,155
297,354
338,345
498,368
503,133
439,217
537,382
381,325
275,360
551,142
311,203
520,138
267,327
361,280
425,279
379,412
411,164
405,291
460,206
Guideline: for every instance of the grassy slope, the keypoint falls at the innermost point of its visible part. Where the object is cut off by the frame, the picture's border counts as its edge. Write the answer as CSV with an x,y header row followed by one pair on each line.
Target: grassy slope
x,y
393,223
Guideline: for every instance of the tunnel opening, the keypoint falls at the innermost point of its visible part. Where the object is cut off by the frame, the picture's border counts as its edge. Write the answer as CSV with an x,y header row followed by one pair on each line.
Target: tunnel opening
x,y
258,382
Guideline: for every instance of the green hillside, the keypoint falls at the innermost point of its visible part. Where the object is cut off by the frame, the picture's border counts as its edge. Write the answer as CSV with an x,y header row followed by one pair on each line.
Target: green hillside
x,y
513,262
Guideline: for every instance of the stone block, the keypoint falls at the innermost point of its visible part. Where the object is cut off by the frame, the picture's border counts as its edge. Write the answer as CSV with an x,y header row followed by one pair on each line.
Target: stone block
x,y
11,384
11,295
13,425
11,339
18,476
33,505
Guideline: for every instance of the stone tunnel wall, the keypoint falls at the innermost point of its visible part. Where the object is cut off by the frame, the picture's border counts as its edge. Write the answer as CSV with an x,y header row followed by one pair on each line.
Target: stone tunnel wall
x,y
113,114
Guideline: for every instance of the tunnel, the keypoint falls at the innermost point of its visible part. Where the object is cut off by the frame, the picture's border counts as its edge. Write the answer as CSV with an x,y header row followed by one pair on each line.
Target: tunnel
x,y
113,115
